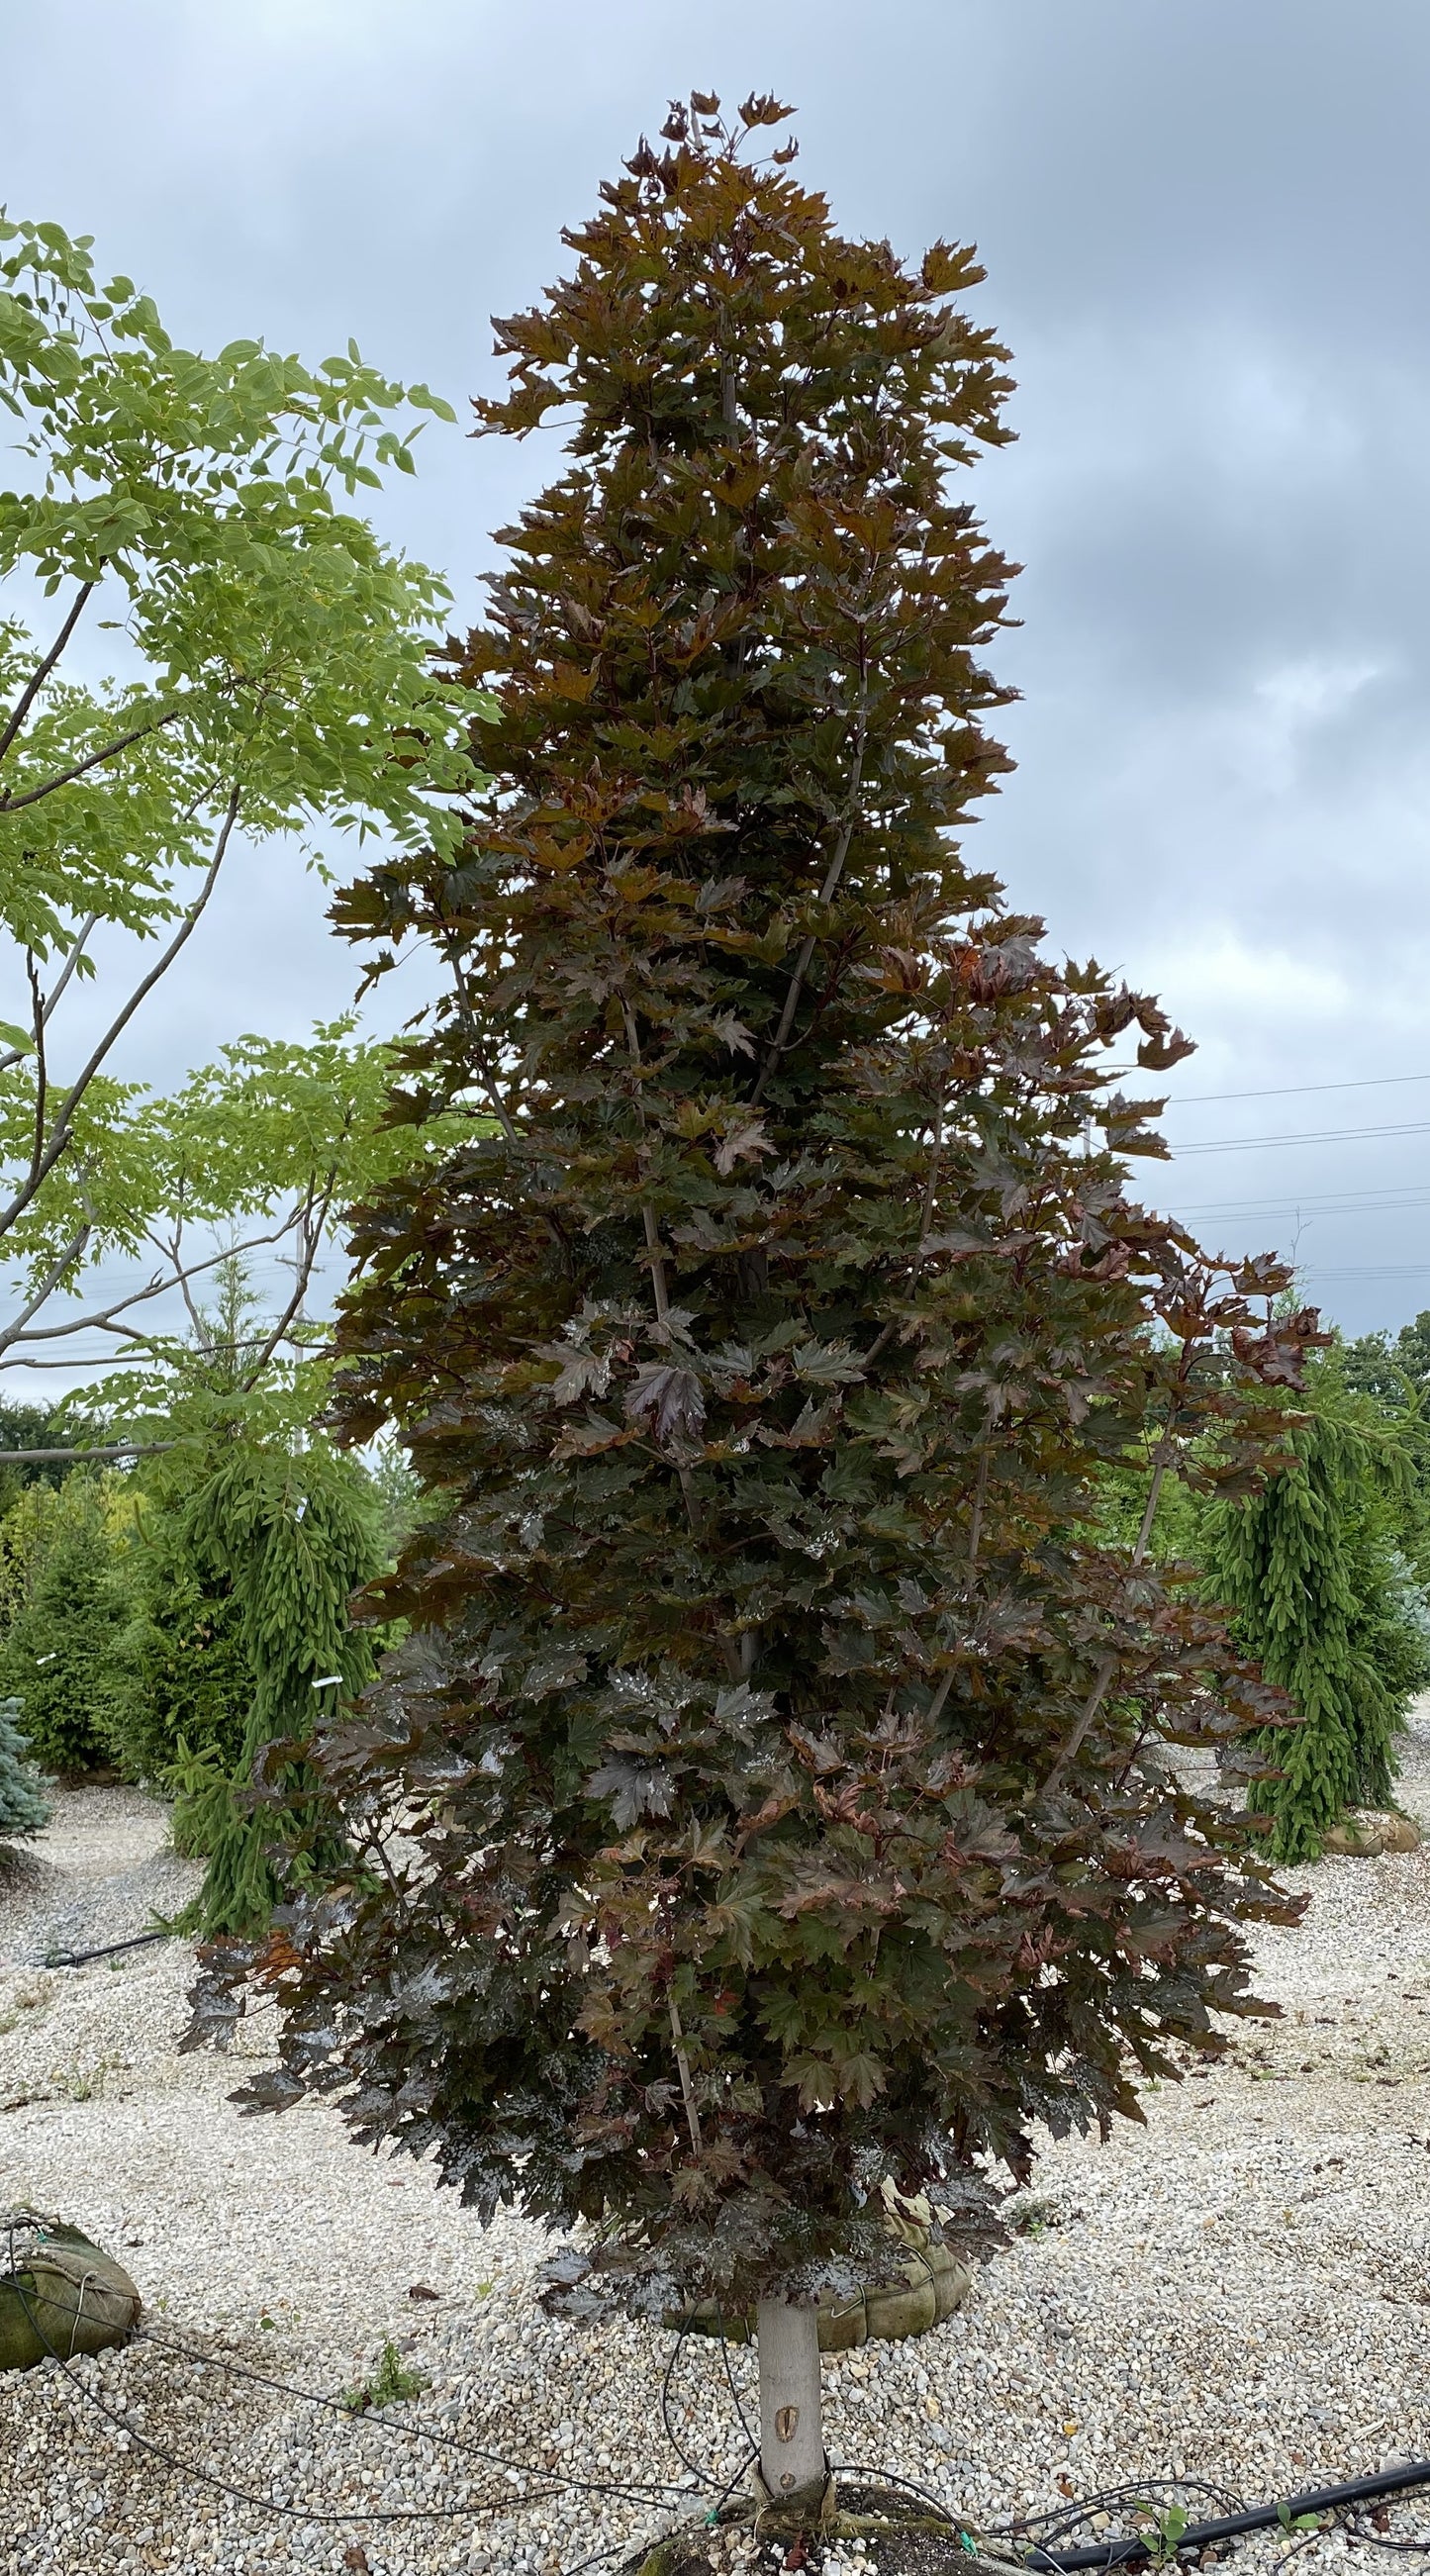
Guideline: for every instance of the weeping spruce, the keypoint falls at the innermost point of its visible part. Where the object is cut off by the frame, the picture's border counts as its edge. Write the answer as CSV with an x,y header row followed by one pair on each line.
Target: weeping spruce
x,y
770,1744
290,1537
1303,1566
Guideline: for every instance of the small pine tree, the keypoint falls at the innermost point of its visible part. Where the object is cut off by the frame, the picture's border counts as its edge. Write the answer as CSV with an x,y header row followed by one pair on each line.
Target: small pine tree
x,y
1324,1600
24,1808
57,1655
769,1744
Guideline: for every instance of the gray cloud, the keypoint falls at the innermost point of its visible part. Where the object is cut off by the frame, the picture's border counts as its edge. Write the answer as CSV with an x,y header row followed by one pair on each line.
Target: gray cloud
x,y
1205,226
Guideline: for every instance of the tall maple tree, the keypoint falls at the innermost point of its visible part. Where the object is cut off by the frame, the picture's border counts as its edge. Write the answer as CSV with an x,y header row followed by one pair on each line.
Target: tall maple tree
x,y
772,1739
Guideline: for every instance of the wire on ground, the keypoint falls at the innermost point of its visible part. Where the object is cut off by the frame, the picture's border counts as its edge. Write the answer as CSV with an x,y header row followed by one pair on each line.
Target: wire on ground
x,y
1117,2550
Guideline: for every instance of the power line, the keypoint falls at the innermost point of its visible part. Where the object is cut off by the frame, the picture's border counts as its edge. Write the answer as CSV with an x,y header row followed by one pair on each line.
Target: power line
x,y
1312,1136
1408,1195
1288,1090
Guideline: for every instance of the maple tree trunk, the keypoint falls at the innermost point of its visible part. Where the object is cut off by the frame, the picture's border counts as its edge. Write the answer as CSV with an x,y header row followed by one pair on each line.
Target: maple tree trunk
x,y
791,2430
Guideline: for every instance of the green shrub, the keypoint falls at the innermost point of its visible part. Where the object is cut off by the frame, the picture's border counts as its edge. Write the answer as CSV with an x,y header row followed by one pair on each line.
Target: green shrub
x,y
182,1682
23,1805
292,1535
1326,1602
57,1658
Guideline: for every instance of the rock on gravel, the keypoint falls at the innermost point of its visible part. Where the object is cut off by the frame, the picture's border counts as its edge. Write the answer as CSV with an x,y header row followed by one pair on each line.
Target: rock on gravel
x,y
1235,2294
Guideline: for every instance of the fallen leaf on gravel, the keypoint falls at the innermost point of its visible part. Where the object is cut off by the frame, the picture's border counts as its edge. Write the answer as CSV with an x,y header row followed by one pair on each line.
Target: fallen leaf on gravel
x,y
419,2290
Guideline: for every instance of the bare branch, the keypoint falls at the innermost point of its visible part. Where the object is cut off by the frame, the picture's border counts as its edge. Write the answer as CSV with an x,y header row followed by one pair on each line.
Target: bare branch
x,y
468,1017
37,679
94,760
20,1358
311,1221
159,1287
656,1252
183,1276
692,2115
37,1008
1108,1666
76,951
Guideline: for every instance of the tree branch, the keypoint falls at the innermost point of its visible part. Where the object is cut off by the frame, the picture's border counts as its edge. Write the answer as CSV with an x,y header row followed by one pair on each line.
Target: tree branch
x,y
63,1262
37,1009
692,2115
827,891
17,1055
693,1513
117,1449
93,760
37,680
1108,1665
60,1135
156,1287
311,1221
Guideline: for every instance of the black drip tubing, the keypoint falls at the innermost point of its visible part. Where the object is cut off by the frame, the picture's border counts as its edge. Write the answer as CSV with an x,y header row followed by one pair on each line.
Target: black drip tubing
x,y
81,1958
1257,2517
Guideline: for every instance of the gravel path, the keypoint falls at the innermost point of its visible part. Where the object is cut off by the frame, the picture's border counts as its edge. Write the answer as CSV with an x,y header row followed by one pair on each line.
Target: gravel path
x,y
1236,2293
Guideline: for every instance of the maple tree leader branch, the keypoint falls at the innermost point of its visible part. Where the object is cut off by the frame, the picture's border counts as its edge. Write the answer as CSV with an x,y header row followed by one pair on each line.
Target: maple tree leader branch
x,y
827,891
1108,1665
692,2115
734,1665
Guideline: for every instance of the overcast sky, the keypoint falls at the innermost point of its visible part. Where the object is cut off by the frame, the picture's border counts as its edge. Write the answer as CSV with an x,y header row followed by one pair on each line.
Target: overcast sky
x,y
1205,228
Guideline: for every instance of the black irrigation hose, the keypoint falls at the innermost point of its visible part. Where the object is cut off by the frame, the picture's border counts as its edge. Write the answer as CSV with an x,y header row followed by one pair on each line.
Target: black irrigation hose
x,y
886,2478
743,2419
81,1958
1049,2528
656,2495
1120,2552
667,2375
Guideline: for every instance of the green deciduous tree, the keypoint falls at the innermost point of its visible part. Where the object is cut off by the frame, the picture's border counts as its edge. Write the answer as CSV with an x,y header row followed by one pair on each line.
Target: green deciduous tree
x,y
268,672
770,1736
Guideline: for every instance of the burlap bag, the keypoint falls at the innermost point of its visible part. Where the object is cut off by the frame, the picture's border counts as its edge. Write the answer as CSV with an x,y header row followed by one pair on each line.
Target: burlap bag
x,y
59,2295
934,2283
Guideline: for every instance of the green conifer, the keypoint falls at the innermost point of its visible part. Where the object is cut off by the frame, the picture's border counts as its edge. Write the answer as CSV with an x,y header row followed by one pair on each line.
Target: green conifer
x,y
1323,1600
24,1807
292,1536
57,1656
181,1681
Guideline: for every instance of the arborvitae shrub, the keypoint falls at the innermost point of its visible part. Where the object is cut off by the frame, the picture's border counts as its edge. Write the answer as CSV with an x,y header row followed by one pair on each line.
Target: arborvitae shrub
x,y
770,1744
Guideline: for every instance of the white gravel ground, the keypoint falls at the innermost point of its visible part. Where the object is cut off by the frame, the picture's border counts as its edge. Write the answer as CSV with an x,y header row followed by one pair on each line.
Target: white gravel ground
x,y
1235,2294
